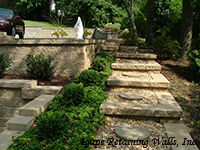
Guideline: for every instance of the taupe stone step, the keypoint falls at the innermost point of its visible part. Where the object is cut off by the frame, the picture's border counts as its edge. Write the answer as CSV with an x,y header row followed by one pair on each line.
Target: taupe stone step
x,y
21,123
8,83
31,93
128,48
137,66
36,106
136,55
155,81
111,50
180,133
167,109
6,138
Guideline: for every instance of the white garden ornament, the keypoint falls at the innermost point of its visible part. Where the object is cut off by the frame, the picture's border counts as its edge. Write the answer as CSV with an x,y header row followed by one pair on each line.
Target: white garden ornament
x,y
78,28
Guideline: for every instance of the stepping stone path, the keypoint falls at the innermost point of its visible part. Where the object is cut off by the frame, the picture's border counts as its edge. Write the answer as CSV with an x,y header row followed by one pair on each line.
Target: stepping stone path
x,y
167,111
132,132
131,95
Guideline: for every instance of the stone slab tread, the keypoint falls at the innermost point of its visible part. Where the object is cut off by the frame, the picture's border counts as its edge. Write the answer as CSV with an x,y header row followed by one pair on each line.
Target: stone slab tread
x,y
36,106
21,123
180,133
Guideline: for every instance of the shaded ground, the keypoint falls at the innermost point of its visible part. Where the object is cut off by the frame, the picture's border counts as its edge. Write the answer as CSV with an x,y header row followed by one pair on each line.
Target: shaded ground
x,y
186,92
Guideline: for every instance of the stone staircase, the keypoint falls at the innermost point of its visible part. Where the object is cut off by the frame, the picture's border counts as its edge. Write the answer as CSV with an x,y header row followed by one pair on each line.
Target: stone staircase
x,y
39,98
136,68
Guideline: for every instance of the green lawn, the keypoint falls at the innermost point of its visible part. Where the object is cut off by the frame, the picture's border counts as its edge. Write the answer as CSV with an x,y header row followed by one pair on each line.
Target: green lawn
x,y
41,23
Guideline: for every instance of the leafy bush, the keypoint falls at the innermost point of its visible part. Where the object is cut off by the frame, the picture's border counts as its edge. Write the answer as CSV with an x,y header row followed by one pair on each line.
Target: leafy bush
x,y
130,39
194,67
166,47
88,78
115,27
39,66
5,62
73,94
99,64
94,96
105,55
124,33
108,25
53,125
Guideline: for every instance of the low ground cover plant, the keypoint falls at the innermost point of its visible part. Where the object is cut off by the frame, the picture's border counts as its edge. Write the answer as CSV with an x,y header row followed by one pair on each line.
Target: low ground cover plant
x,y
5,62
72,118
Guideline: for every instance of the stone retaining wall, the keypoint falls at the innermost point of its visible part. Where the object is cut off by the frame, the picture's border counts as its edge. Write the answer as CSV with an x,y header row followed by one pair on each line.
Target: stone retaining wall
x,y
71,56
11,98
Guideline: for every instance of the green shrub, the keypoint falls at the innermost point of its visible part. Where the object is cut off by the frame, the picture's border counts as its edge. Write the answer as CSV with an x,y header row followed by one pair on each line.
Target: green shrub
x,y
99,64
5,62
194,67
53,125
103,54
88,78
94,96
73,94
115,27
124,33
166,47
39,66
130,39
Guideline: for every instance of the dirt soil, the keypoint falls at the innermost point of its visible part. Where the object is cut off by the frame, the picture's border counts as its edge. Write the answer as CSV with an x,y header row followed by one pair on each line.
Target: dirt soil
x,y
186,93
184,90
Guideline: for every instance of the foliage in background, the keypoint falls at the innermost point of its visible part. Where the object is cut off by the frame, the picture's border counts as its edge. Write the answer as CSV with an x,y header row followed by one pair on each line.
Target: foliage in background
x,y
167,18
39,66
194,53
5,62
130,39
166,47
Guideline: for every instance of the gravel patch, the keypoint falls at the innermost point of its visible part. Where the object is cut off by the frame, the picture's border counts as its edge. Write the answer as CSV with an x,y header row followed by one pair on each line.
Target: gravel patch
x,y
149,96
106,133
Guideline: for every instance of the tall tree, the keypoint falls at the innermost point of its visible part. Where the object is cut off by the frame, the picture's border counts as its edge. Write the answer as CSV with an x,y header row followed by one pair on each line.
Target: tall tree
x,y
186,27
150,20
130,12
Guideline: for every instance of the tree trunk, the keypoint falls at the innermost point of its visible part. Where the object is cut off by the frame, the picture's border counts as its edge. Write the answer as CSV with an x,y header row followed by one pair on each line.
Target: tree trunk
x,y
150,18
131,15
186,27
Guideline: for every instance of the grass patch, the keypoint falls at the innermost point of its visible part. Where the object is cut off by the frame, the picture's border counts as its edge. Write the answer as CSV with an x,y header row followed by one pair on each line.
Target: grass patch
x,y
41,23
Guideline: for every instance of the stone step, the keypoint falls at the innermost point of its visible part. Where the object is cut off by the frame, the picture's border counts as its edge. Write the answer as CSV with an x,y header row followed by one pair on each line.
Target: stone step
x,y
31,93
180,133
6,138
21,123
14,83
36,106
167,110
111,50
157,81
146,66
136,55
128,48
